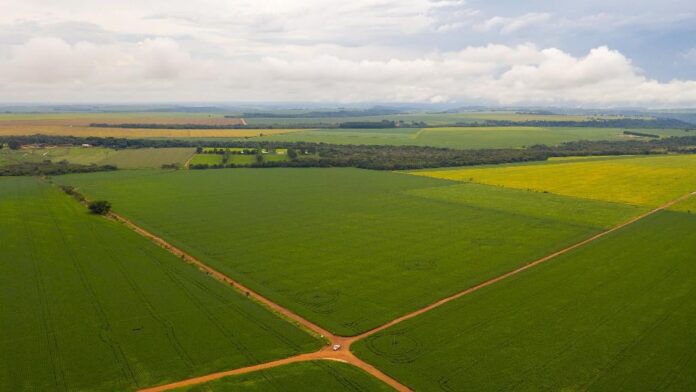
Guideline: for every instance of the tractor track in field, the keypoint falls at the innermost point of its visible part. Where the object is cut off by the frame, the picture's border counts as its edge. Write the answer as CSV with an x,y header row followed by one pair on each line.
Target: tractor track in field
x,y
343,353
188,161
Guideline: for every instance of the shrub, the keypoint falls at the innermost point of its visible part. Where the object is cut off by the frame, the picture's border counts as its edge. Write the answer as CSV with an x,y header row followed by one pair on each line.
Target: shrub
x,y
100,207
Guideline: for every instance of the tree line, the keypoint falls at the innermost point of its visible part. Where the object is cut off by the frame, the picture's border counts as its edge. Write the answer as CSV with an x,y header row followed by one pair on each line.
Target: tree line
x,y
656,123
385,157
639,123
49,168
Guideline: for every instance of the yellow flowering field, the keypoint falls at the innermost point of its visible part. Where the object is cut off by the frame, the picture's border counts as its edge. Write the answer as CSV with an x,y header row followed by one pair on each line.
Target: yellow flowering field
x,y
644,181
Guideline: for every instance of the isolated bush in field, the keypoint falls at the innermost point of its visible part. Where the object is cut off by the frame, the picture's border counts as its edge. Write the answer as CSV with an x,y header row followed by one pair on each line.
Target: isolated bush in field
x,y
101,207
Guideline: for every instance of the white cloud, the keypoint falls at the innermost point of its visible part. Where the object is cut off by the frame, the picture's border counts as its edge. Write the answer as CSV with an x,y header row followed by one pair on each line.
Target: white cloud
x,y
46,61
160,68
507,25
362,50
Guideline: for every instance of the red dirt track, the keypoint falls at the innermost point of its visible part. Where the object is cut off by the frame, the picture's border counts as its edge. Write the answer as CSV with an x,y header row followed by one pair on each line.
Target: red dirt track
x,y
344,354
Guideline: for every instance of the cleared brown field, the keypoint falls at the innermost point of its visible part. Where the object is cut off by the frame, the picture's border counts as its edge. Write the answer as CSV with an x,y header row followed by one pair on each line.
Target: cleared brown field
x,y
84,119
77,124
67,130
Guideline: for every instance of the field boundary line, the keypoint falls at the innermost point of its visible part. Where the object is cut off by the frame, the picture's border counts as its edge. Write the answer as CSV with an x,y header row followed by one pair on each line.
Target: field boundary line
x,y
523,268
288,314
188,161
343,353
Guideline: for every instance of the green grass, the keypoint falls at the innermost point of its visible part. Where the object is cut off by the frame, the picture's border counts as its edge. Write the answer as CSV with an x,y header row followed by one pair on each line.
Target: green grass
x,y
299,377
688,205
237,159
242,159
461,137
429,118
124,159
86,304
275,158
148,157
78,155
206,159
347,248
617,314
236,149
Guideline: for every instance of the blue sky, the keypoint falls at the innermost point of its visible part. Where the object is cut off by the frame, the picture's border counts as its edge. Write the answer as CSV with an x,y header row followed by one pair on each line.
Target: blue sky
x,y
589,53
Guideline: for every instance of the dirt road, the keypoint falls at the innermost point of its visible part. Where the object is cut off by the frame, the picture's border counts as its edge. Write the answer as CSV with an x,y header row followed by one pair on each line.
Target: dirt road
x,y
344,354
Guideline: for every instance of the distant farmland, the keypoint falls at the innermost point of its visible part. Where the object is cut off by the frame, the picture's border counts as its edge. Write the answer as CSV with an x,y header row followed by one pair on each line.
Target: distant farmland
x,y
78,124
123,159
442,128
461,137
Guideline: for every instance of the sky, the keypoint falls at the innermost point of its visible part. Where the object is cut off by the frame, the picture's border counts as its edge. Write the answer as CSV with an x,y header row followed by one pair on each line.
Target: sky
x,y
591,53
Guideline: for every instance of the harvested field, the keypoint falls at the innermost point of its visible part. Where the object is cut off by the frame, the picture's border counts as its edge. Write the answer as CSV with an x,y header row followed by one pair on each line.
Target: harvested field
x,y
137,133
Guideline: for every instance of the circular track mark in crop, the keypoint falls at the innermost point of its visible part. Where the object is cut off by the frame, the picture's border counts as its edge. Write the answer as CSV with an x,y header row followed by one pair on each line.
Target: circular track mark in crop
x,y
453,384
396,347
419,265
485,242
319,300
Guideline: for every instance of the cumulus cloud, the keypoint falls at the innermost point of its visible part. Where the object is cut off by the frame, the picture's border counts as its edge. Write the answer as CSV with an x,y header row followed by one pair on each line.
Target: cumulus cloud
x,y
313,50
488,74
50,60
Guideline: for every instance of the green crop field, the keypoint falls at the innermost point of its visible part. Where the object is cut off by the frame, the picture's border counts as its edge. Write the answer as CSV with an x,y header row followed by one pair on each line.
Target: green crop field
x,y
646,181
688,205
123,159
461,137
148,157
79,155
275,158
348,248
437,119
206,159
614,315
90,305
298,377
243,159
